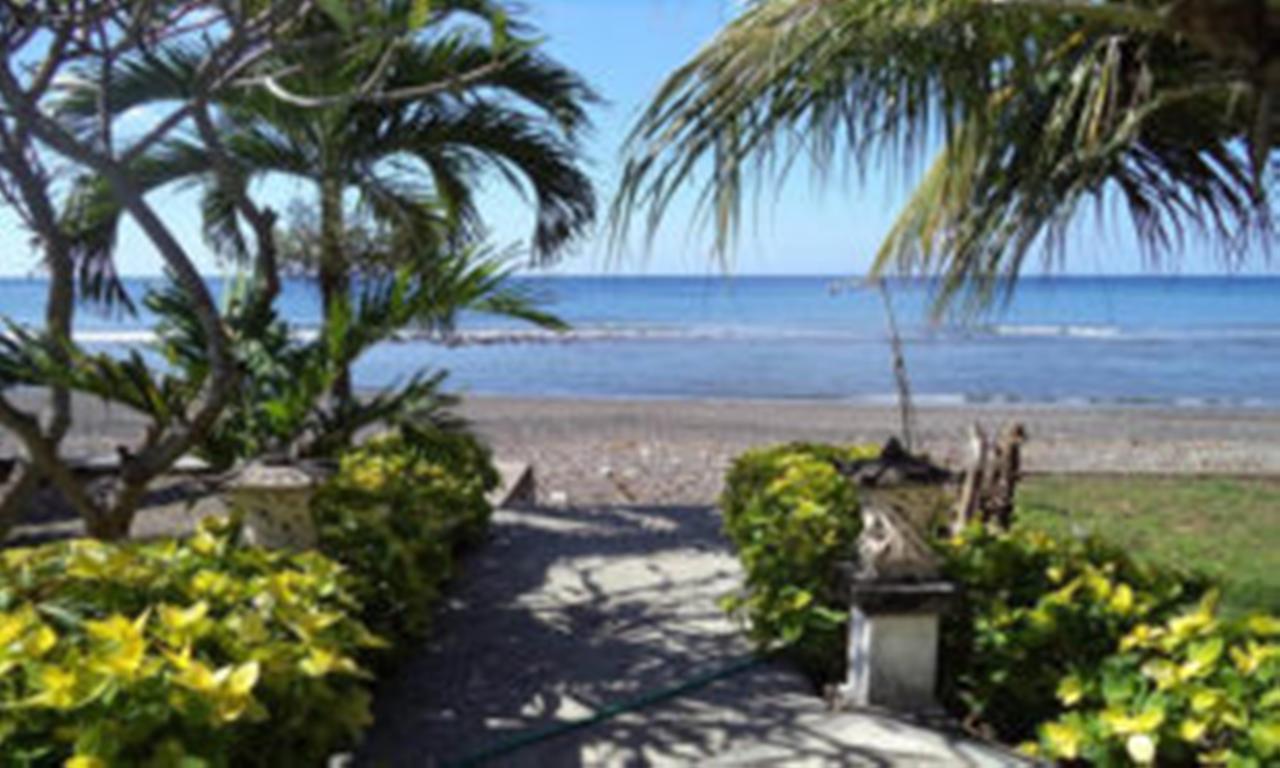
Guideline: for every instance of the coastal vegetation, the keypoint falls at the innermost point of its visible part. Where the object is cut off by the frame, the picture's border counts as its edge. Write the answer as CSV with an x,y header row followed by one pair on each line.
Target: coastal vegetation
x,y
164,653
431,98
397,511
207,651
1224,527
1074,646
1039,116
786,512
203,649
1088,630
391,176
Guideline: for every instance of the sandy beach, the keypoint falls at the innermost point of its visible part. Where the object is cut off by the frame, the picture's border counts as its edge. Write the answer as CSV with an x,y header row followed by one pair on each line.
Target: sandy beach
x,y
675,451
661,452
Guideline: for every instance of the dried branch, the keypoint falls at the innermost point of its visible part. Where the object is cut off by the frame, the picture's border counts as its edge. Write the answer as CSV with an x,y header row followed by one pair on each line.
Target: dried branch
x,y
409,93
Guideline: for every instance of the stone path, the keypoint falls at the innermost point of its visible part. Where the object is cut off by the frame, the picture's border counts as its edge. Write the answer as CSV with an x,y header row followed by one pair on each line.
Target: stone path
x,y
571,611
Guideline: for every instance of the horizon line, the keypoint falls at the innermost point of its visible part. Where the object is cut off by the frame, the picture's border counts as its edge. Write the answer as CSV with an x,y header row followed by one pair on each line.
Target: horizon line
x,y
735,275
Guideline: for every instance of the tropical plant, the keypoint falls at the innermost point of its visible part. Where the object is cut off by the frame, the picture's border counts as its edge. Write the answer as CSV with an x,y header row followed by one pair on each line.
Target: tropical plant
x,y
280,406
396,513
1162,107
793,518
455,92
40,149
200,652
1197,689
200,69
25,186
1035,610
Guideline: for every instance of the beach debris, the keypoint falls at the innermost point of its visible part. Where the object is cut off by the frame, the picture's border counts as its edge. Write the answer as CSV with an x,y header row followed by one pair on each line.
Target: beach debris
x,y
990,486
621,486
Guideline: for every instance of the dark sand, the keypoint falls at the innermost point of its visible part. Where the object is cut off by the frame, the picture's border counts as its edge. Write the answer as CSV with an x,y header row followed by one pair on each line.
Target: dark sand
x,y
675,451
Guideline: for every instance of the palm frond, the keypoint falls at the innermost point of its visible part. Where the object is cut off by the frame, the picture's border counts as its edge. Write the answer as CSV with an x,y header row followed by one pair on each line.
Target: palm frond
x,y
29,358
1039,108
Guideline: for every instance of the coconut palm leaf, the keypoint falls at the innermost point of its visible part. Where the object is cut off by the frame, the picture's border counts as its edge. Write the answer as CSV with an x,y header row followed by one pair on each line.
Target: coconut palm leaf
x,y
521,118
1039,108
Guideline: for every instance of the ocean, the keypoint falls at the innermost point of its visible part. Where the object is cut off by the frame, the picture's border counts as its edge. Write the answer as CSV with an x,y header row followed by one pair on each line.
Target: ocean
x,y
1073,341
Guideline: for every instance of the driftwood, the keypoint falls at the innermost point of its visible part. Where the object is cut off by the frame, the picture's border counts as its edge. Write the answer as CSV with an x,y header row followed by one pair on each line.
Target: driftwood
x,y
989,490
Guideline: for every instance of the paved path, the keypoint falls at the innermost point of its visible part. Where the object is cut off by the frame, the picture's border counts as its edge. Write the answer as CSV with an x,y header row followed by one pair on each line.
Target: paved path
x,y
567,612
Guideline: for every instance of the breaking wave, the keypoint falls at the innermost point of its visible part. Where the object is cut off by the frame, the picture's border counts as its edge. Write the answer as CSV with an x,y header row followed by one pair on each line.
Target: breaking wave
x,y
480,337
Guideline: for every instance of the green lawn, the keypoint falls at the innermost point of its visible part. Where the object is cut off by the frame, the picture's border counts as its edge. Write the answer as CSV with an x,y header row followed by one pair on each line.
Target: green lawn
x,y
1228,528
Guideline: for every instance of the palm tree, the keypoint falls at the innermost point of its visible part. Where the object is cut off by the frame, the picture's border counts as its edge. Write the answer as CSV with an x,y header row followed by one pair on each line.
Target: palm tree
x,y
473,99
1039,107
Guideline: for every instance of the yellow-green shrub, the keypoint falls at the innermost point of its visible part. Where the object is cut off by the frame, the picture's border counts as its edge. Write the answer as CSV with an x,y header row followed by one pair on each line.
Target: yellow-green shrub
x,y
396,512
203,652
1196,689
1036,609
792,518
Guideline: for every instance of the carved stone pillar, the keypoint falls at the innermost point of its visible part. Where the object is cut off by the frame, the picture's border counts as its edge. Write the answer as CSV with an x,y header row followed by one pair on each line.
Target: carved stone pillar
x,y
274,501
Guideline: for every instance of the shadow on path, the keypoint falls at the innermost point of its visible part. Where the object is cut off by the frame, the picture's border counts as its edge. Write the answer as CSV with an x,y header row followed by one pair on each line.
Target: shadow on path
x,y
566,612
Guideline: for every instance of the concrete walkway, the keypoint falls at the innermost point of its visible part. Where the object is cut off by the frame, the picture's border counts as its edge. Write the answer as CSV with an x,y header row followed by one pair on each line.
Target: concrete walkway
x,y
570,612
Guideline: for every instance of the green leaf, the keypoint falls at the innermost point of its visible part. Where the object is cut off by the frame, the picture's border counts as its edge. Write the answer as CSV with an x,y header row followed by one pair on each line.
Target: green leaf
x,y
339,11
1204,655
501,36
419,14
1265,736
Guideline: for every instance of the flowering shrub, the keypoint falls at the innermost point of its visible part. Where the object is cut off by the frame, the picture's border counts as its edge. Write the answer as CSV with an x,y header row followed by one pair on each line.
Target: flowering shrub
x,y
1097,657
395,513
176,653
792,518
1193,690
1035,610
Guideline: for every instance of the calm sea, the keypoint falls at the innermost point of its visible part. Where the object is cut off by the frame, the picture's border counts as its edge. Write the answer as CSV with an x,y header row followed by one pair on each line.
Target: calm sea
x,y
1075,341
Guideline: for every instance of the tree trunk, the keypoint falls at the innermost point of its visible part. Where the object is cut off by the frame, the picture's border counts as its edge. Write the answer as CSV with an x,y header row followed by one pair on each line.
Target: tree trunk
x,y
33,189
23,484
335,285
113,517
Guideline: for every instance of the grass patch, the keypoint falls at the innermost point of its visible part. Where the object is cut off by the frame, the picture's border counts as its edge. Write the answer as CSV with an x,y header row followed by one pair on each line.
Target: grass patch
x,y
1228,528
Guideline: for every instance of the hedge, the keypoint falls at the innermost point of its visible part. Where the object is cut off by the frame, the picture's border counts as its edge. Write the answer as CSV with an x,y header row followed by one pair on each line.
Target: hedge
x,y
207,652
1070,646
792,518
203,652
395,514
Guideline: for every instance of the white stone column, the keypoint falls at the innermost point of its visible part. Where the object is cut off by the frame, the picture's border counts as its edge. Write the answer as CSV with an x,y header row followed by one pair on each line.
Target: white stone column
x,y
893,645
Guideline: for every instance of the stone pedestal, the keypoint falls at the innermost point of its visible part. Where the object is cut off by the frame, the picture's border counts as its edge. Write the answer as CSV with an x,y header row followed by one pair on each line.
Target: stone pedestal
x,y
893,645
274,501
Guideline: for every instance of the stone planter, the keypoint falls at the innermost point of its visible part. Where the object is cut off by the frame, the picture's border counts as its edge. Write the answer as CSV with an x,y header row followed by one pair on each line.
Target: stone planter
x,y
274,502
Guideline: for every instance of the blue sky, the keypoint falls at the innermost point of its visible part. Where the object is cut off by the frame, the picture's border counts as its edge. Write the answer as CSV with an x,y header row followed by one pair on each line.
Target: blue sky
x,y
624,48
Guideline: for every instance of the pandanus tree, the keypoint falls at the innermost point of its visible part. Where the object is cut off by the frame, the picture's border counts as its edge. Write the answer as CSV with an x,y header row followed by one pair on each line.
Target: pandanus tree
x,y
1164,110
396,137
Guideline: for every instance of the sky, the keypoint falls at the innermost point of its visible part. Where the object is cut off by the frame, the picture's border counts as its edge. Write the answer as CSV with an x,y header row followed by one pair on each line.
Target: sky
x,y
624,48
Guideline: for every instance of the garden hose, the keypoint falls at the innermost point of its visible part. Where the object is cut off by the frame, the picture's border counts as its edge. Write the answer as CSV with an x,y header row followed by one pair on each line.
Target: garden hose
x,y
529,738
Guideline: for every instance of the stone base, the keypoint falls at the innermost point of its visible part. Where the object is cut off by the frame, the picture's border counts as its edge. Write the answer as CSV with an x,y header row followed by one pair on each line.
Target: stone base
x,y
893,646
